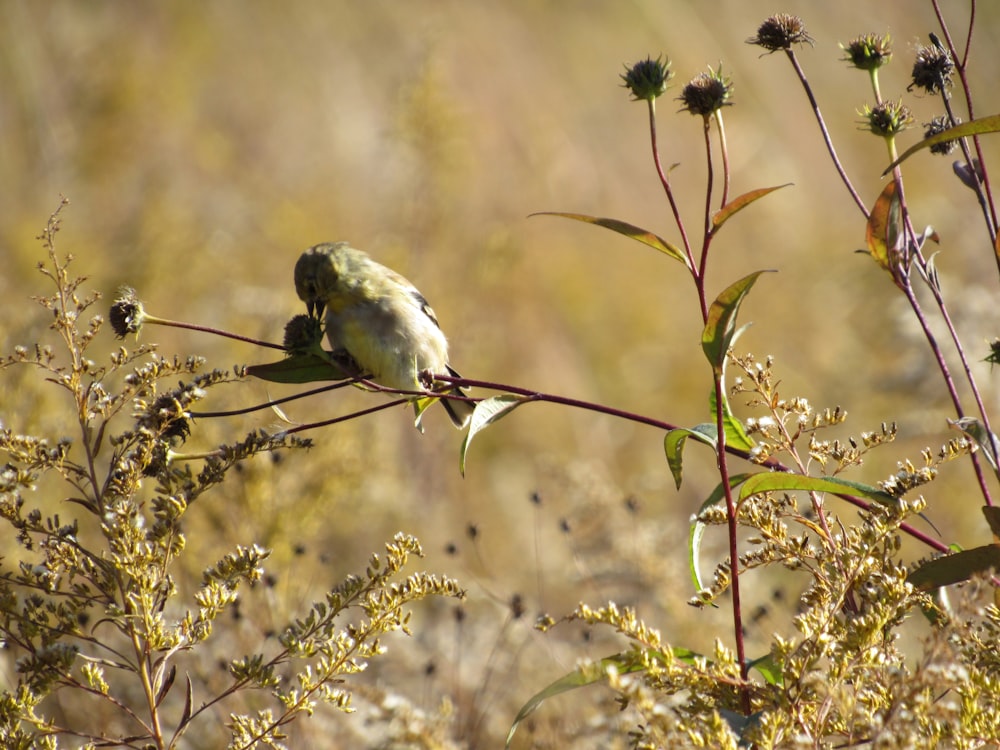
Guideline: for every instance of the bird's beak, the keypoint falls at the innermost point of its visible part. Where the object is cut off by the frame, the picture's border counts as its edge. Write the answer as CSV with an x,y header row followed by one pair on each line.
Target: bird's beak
x,y
315,308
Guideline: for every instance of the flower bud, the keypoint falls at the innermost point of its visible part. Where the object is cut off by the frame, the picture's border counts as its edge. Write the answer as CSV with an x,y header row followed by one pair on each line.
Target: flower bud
x,y
971,176
887,118
648,78
869,52
994,356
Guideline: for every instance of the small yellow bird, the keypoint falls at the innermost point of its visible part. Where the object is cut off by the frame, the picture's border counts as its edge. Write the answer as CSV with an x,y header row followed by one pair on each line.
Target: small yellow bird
x,y
379,318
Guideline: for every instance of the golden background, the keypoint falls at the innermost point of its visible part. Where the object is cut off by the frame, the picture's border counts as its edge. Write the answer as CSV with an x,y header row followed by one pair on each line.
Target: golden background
x,y
203,146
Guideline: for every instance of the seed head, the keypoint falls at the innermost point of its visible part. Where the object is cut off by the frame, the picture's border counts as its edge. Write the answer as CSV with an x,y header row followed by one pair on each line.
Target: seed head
x,y
126,314
166,418
780,31
159,460
938,125
932,70
302,333
707,93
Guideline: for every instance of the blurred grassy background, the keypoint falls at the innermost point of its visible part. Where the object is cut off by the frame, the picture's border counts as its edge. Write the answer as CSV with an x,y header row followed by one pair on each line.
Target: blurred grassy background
x,y
204,146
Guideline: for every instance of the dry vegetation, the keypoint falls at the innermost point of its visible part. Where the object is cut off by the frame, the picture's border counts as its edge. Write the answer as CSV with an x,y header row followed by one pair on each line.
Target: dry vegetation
x,y
203,147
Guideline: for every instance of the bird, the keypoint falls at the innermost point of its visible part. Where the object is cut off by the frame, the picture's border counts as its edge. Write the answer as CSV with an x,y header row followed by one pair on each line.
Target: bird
x,y
380,319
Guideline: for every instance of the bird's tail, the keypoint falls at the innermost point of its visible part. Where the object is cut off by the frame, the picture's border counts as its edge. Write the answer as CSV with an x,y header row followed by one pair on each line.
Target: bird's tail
x,y
459,411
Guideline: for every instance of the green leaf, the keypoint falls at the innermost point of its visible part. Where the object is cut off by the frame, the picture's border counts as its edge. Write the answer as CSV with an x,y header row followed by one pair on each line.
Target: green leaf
x,y
588,674
736,436
419,407
487,411
981,126
882,231
720,329
673,446
787,482
992,514
582,676
698,529
780,481
738,204
769,669
739,723
629,230
956,568
300,368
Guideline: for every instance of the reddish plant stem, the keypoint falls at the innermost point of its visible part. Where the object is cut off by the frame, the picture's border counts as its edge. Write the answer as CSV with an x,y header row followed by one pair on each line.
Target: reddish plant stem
x,y
961,66
665,182
153,320
826,133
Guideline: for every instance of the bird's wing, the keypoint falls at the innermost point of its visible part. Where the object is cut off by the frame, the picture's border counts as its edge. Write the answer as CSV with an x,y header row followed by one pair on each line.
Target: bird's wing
x,y
424,306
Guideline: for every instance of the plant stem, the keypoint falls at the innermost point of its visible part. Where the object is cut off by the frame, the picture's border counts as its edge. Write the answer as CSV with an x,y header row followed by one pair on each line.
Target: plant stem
x,y
665,182
985,191
826,133
153,320
733,528
724,149
707,237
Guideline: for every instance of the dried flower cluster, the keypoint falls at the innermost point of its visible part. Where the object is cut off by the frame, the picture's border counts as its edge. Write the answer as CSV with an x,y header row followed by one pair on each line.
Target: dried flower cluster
x,y
89,606
781,32
707,93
